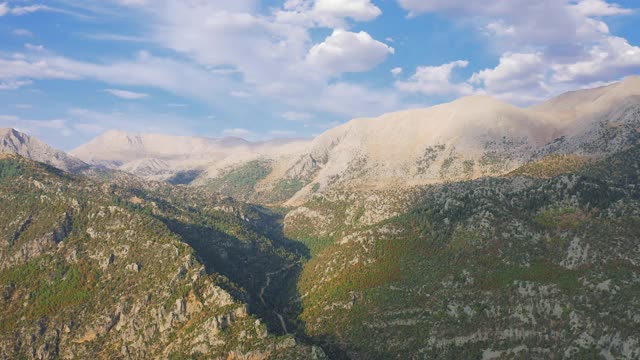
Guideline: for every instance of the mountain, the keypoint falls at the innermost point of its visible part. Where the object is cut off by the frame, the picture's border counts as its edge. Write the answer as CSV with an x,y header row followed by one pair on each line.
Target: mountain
x,y
156,156
467,139
15,142
126,270
574,105
472,137
467,230
542,263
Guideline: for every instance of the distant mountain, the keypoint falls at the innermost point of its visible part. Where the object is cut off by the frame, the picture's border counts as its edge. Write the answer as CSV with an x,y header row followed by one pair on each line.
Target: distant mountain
x,y
156,156
15,142
470,138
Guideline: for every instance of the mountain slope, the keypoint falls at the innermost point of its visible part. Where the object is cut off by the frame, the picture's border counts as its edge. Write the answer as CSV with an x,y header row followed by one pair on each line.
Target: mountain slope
x,y
571,106
467,139
533,265
15,142
91,270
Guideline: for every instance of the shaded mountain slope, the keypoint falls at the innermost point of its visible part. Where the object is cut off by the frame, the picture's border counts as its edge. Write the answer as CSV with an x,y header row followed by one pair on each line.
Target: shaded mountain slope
x,y
537,265
89,271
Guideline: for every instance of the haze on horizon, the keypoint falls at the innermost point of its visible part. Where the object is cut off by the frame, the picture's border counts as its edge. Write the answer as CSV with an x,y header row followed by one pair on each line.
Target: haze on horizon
x,y
259,70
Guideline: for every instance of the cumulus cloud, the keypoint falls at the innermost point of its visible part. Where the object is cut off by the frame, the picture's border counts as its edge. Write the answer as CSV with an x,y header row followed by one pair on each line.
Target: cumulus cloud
x,y
361,10
516,72
345,51
331,13
611,58
128,95
278,58
547,45
436,80
600,8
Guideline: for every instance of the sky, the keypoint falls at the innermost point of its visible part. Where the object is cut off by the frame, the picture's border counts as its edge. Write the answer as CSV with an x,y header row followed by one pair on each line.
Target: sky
x,y
73,69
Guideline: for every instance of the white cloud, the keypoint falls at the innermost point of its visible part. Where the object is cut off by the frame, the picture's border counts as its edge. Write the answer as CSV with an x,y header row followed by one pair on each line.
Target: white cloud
x,y
170,75
328,13
436,80
124,94
33,47
5,9
515,73
360,10
115,37
19,69
21,32
133,2
600,8
547,45
345,51
176,77
268,55
354,100
396,71
240,94
610,59
46,127
90,122
13,84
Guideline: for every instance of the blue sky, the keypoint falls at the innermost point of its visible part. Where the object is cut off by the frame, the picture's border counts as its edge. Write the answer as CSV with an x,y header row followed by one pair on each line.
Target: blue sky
x,y
71,69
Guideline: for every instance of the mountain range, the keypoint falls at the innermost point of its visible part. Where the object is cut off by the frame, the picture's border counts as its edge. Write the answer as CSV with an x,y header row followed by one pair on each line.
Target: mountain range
x,y
467,139
468,230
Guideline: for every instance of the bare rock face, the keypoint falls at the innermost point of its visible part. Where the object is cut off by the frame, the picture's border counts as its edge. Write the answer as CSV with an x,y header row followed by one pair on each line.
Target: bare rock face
x,y
15,142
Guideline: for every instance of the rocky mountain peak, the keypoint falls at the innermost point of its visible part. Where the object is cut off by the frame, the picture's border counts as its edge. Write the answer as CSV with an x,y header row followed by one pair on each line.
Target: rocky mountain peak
x,y
16,142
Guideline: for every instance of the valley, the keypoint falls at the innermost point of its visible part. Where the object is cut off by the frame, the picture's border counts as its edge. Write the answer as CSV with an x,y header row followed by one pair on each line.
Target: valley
x,y
473,229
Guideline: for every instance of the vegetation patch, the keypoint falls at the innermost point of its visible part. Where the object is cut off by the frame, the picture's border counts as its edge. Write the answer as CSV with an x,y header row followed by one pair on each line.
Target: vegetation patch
x,y
551,166
240,182
561,219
